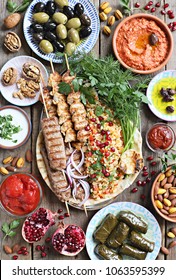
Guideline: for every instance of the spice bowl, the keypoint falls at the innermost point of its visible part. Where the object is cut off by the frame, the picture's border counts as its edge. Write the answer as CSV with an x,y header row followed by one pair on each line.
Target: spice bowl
x,y
160,138
163,194
139,45
20,194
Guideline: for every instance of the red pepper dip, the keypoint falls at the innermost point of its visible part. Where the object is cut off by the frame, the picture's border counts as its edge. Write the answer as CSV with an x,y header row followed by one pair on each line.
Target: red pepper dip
x,y
20,194
161,137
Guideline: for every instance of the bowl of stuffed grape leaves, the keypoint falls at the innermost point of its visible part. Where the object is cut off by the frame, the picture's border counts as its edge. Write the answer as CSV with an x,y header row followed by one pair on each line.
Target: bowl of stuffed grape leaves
x,y
123,231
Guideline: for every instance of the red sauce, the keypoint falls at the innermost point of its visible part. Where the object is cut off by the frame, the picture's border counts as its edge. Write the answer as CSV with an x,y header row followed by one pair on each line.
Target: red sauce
x,y
160,137
19,194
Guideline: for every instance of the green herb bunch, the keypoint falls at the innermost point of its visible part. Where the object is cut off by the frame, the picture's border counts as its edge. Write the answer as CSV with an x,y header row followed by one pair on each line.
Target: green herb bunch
x,y
7,129
112,84
13,7
8,229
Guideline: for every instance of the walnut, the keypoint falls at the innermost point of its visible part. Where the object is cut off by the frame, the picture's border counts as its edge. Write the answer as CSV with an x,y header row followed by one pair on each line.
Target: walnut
x,y
12,42
31,71
9,76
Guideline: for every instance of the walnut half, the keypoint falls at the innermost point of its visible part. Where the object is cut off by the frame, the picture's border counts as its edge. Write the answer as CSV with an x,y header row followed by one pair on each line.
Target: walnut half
x,y
9,76
12,42
31,71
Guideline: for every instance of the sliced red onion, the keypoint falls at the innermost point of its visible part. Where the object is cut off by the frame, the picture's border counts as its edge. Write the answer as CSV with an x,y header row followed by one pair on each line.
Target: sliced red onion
x,y
70,173
81,162
86,188
64,190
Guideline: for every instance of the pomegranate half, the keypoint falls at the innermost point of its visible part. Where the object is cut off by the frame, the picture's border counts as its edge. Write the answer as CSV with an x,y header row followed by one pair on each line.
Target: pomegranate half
x,y
36,225
68,240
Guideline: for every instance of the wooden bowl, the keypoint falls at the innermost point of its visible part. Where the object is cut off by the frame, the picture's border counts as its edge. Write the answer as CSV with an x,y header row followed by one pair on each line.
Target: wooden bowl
x,y
162,26
154,196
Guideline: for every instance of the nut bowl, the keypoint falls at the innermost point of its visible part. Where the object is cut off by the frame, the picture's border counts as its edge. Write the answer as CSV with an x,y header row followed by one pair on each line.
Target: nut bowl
x,y
163,194
140,52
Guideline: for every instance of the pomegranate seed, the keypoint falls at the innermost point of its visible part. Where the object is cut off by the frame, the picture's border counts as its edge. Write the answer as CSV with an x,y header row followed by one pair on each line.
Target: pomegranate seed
x,y
174,23
19,252
153,173
25,253
93,176
150,158
66,214
158,4
103,171
173,28
107,154
144,183
152,10
48,239
43,254
108,132
89,154
98,142
15,257
163,12
147,7
142,196
98,125
171,16
61,217
43,248
150,3
103,132
153,163
23,248
166,6
148,179
134,190
169,12
59,211
170,25
110,123
108,138
102,145
112,149
87,128
93,119
145,168
145,174
100,118
106,143
137,5
139,183
107,174
38,248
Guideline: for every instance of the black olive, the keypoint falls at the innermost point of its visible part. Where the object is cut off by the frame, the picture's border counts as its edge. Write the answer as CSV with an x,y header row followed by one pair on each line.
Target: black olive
x,y
50,36
78,9
170,109
50,26
164,92
153,39
68,11
171,91
37,27
85,20
50,8
58,46
85,32
39,7
168,98
37,37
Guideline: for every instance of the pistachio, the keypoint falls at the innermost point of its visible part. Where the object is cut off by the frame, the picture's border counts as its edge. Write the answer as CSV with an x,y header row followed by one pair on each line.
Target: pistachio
x,y
170,179
164,250
104,5
103,16
161,191
172,244
169,173
167,202
28,156
20,162
7,160
158,204
106,30
7,249
172,190
172,210
12,42
107,10
173,230
11,168
118,14
14,161
161,177
12,20
170,234
111,20
4,171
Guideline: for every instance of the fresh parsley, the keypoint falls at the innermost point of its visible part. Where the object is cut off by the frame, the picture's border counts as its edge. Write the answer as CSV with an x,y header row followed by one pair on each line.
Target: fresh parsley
x,y
13,7
64,88
8,229
126,6
7,129
164,161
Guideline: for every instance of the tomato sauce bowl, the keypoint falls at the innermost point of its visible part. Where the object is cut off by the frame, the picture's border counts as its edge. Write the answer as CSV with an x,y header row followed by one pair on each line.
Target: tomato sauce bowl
x,y
20,194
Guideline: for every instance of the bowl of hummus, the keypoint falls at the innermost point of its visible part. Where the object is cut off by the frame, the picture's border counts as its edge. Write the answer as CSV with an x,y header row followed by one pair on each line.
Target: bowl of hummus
x,y
143,43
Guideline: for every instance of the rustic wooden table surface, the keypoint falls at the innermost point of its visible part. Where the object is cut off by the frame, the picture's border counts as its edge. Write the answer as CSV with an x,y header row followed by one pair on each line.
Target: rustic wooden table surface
x,y
102,48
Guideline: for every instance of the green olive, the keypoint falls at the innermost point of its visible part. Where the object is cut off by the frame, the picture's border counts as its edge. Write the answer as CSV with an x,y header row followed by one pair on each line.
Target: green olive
x,y
46,47
60,18
73,23
61,3
61,31
40,17
70,48
73,36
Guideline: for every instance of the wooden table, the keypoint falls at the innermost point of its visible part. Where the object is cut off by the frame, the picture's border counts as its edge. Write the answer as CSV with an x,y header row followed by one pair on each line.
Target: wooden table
x,y
102,48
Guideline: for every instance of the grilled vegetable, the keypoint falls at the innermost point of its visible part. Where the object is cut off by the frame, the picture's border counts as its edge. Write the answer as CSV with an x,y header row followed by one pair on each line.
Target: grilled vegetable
x,y
118,235
105,228
105,253
140,242
133,221
133,252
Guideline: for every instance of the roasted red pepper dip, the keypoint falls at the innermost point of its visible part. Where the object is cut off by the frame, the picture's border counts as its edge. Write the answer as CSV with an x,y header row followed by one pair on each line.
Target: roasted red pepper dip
x,y
20,194
161,137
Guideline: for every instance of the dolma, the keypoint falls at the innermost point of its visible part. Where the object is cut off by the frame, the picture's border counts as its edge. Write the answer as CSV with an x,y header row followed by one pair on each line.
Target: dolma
x,y
105,228
118,235
140,242
105,253
133,221
133,252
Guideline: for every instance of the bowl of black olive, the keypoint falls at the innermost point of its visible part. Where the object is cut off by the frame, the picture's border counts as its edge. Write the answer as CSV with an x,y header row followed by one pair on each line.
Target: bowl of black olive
x,y
55,27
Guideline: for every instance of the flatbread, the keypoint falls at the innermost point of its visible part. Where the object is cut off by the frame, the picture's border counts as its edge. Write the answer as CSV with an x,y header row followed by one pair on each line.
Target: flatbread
x,y
92,204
